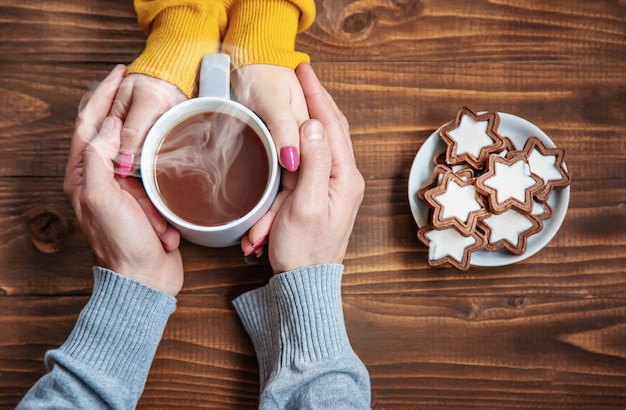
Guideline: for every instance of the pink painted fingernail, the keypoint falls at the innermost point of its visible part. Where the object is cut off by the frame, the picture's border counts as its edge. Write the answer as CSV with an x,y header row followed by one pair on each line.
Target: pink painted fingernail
x,y
166,248
255,246
125,162
289,158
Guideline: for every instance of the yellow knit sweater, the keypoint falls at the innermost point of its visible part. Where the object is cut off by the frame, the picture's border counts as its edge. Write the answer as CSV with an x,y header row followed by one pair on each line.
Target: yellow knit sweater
x,y
181,32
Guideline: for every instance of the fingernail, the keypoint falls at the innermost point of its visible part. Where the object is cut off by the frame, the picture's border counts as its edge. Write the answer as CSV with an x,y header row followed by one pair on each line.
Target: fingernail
x,y
256,260
255,246
125,162
107,125
314,130
289,158
166,248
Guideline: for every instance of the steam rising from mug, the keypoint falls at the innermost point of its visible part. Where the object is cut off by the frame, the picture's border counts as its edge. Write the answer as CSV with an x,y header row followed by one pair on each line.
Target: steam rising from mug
x,y
209,164
211,169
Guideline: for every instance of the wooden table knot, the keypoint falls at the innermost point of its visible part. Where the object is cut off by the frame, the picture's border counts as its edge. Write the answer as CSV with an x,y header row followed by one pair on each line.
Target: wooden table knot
x,y
408,5
47,231
518,302
358,20
359,23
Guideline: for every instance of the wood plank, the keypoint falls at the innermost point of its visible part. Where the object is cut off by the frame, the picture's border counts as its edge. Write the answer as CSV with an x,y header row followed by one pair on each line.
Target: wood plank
x,y
544,333
43,250
212,365
35,132
491,352
585,258
458,31
346,30
392,109
63,31
476,351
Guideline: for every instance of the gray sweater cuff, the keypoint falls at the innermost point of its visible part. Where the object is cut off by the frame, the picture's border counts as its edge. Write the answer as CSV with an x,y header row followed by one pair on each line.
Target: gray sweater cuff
x,y
118,331
296,318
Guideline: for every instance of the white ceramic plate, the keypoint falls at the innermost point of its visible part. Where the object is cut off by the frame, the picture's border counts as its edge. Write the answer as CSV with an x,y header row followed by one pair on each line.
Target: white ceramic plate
x,y
518,130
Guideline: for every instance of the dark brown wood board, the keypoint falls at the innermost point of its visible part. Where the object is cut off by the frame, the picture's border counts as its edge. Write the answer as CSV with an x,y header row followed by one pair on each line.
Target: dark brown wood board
x,y
545,333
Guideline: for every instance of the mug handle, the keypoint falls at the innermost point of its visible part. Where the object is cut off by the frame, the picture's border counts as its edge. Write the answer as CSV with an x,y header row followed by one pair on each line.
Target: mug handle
x,y
215,76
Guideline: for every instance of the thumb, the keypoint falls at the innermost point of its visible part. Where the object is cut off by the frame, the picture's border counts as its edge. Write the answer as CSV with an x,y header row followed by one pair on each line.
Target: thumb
x,y
100,154
316,163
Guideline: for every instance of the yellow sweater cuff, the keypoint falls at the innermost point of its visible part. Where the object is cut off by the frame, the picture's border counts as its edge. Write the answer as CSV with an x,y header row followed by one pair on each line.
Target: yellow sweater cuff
x,y
265,32
179,38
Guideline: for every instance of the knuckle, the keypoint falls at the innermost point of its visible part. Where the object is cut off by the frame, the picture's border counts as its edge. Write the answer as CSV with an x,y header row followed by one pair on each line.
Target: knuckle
x,y
320,158
354,186
90,198
129,132
131,137
311,212
283,127
67,189
359,184
118,109
344,121
81,121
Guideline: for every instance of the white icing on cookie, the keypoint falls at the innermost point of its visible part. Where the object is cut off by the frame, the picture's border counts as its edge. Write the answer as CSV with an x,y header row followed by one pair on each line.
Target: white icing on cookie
x,y
508,225
544,166
448,242
471,136
538,208
460,167
458,201
511,181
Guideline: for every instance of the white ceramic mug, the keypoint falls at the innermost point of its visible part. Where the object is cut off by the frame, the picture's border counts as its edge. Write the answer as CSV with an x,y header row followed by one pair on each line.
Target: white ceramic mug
x,y
214,97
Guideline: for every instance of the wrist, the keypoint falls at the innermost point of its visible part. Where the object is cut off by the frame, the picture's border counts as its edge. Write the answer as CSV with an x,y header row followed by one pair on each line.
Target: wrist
x,y
301,309
121,325
179,38
264,33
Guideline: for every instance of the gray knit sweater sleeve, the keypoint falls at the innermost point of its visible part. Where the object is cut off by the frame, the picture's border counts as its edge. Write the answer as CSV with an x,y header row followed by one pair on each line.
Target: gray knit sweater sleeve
x,y
105,361
295,322
297,328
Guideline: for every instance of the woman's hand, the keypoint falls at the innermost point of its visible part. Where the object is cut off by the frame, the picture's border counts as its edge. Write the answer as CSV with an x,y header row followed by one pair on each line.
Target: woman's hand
x,y
139,102
274,94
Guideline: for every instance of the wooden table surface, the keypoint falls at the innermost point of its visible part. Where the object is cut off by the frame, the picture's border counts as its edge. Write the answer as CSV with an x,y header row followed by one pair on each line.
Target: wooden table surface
x,y
545,333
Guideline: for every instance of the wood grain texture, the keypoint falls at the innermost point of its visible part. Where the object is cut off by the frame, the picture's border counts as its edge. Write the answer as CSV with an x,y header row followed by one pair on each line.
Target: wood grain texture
x,y
542,351
545,333
407,102
586,256
457,30
61,31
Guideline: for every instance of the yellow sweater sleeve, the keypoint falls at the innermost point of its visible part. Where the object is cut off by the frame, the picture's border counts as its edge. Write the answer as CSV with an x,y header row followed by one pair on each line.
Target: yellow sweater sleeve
x,y
180,33
264,31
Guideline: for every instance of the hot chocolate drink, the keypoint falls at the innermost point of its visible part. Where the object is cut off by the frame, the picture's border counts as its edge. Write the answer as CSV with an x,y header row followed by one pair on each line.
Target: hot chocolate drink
x,y
211,169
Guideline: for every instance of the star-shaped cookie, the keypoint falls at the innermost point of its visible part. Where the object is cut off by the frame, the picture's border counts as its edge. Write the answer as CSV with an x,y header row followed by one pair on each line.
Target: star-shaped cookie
x,y
455,203
449,246
541,210
471,138
548,164
509,230
509,183
438,171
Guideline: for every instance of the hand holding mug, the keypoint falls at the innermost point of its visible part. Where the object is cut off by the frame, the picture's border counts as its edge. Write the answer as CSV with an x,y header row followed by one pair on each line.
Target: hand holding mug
x,y
317,208
140,100
274,94
209,164
125,231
